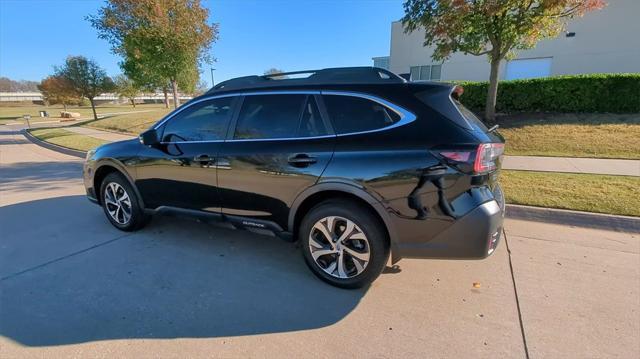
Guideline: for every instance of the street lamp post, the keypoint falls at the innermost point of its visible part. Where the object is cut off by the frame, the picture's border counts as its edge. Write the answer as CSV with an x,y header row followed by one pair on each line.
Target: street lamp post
x,y
212,82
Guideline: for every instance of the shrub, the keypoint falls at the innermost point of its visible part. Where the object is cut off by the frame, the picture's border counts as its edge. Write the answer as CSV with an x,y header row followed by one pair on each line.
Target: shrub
x,y
616,93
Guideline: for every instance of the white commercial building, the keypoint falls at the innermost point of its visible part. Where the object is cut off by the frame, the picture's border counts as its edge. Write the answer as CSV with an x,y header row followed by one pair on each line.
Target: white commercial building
x,y
603,41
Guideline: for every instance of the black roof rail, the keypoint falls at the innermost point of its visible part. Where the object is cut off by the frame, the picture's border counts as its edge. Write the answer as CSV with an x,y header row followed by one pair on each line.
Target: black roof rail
x,y
337,75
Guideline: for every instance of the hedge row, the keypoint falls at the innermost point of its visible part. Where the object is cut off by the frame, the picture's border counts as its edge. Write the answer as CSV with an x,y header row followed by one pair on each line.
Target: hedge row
x,y
616,93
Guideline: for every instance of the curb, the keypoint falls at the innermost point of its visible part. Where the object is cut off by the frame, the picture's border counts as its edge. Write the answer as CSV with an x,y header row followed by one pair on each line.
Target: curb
x,y
574,218
51,146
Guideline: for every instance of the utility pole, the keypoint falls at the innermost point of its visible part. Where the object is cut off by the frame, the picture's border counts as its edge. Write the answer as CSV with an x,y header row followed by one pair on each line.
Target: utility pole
x,y
212,83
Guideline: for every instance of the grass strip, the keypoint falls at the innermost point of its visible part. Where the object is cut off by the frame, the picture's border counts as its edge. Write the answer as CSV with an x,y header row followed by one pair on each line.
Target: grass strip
x,y
618,195
67,139
573,135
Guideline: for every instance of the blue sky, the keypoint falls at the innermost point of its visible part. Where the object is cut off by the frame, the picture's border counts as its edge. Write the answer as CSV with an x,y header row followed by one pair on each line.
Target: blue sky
x,y
254,35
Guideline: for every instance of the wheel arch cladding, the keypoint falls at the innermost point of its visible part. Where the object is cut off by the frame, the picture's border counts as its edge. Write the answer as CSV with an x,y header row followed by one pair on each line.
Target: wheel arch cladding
x,y
103,171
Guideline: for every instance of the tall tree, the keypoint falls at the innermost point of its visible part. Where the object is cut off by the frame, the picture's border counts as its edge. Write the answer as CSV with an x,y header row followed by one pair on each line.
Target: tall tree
x,y
127,88
145,78
87,78
168,38
496,28
57,89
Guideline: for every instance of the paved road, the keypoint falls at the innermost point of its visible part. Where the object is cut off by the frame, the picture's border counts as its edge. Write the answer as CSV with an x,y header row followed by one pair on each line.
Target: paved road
x,y
71,285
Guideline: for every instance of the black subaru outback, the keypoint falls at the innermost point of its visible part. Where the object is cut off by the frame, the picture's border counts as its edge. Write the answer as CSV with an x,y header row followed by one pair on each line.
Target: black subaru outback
x,y
356,163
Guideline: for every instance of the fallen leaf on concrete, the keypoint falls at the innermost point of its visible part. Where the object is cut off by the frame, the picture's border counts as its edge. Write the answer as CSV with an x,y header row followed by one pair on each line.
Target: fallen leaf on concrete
x,y
476,285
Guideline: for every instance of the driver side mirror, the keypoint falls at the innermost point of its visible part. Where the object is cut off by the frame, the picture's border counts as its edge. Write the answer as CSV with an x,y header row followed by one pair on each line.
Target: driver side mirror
x,y
149,137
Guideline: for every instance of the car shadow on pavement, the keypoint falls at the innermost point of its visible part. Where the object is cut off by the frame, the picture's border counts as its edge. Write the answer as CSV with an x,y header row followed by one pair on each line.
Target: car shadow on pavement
x,y
25,176
69,277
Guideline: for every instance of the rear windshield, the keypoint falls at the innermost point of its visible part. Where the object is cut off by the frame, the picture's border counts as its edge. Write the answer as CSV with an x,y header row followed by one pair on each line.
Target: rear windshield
x,y
470,116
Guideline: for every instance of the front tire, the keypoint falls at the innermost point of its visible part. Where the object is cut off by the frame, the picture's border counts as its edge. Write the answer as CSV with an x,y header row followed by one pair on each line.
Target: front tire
x,y
120,203
343,243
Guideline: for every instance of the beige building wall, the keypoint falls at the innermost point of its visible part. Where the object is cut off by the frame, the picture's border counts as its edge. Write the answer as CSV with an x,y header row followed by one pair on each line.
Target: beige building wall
x,y
605,41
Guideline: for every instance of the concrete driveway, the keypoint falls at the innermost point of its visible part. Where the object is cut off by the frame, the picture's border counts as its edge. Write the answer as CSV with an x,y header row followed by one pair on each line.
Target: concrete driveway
x,y
72,285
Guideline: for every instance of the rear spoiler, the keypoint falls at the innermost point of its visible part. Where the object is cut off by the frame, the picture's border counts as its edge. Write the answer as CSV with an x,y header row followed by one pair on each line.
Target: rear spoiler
x,y
441,97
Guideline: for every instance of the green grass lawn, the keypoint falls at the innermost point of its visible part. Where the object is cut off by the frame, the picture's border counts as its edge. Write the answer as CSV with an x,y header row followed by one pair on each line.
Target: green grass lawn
x,y
132,123
581,192
67,139
15,112
572,135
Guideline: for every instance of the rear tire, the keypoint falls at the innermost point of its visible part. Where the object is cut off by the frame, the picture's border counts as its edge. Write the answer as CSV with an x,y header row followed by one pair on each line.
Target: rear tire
x,y
357,249
120,203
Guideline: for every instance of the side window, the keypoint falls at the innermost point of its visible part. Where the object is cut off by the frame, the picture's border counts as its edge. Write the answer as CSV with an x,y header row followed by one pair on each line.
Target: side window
x,y
355,114
204,121
269,116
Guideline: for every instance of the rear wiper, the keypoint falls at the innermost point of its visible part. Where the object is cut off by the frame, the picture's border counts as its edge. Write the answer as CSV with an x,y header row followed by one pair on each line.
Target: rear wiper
x,y
493,128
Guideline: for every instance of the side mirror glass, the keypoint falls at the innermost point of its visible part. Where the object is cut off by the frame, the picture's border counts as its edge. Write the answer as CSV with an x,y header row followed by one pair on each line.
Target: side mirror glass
x,y
149,137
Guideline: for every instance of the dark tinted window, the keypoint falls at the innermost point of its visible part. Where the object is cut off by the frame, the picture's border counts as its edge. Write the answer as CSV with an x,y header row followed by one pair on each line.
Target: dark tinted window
x,y
470,116
355,114
204,121
277,116
311,123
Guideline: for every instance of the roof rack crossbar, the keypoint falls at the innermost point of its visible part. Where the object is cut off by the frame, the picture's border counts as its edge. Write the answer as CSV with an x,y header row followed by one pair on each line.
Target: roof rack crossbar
x,y
291,73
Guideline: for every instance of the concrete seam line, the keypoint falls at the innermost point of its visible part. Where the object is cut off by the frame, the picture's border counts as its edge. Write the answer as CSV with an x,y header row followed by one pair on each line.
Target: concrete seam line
x,y
62,258
515,292
53,147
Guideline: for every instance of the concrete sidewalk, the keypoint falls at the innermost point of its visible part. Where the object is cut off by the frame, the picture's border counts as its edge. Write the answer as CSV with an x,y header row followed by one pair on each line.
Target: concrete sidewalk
x,y
101,135
573,165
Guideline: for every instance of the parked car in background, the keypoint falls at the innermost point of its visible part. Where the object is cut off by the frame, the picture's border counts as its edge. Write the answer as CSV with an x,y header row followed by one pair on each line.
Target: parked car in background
x,y
355,163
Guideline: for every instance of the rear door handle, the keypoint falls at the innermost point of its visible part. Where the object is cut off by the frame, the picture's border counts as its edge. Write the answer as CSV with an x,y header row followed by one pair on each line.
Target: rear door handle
x,y
302,160
203,158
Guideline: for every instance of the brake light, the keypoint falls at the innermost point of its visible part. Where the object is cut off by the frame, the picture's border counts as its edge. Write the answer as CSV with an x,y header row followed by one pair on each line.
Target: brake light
x,y
486,157
458,156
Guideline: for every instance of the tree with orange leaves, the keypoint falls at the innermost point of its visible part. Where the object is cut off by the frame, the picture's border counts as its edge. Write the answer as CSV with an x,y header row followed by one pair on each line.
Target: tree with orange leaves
x,y
496,28
57,89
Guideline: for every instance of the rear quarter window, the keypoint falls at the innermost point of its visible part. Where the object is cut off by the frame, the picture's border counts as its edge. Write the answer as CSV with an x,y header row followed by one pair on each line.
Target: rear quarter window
x,y
469,115
351,114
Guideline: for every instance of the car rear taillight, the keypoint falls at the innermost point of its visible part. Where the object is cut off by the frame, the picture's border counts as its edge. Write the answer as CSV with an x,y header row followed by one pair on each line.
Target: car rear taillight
x,y
487,156
479,161
457,156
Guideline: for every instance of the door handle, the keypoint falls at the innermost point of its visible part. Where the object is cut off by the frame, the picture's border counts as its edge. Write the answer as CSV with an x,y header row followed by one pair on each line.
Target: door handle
x,y
302,160
203,158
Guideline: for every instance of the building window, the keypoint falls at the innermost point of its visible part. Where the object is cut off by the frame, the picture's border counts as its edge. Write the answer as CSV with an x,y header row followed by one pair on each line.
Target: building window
x,y
528,68
381,62
426,73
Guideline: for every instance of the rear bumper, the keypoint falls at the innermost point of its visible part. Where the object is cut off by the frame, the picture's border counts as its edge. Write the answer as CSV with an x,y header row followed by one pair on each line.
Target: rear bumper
x,y
473,236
